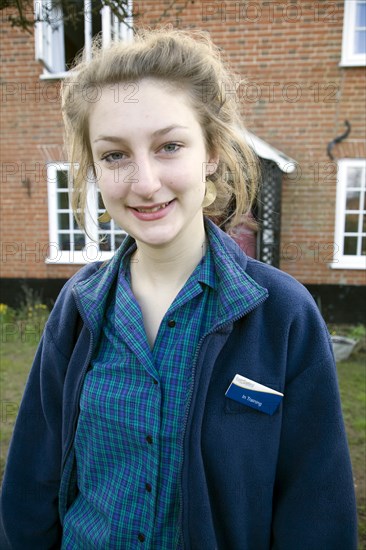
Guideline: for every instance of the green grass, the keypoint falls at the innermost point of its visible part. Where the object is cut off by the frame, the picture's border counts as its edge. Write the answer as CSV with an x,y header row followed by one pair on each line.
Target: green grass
x,y
352,383
19,340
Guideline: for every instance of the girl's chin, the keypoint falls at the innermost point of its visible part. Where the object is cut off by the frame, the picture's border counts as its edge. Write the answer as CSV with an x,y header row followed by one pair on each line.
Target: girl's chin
x,y
156,239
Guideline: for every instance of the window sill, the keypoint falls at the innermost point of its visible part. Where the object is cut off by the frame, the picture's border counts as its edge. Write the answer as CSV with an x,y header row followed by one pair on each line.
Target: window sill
x,y
356,264
53,76
352,63
78,258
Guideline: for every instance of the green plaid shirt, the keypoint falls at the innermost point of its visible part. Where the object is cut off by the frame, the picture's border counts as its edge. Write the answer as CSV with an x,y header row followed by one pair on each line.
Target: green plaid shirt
x,y
129,439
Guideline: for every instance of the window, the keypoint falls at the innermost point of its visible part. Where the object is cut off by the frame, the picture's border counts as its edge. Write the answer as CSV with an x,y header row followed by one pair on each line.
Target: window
x,y
350,227
354,33
60,36
68,243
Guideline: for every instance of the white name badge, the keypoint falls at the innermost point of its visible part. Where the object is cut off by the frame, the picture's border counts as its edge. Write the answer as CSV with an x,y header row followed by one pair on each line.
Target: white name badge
x,y
254,395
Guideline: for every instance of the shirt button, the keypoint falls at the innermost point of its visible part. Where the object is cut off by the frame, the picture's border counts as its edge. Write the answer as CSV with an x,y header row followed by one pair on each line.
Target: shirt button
x,y
148,487
155,381
141,537
149,439
171,323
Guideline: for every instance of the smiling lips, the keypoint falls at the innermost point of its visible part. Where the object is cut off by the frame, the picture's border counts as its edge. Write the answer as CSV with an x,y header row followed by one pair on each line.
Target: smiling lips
x,y
153,212
151,209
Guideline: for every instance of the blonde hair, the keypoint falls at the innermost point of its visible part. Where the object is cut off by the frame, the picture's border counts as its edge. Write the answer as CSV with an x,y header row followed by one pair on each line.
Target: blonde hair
x,y
190,61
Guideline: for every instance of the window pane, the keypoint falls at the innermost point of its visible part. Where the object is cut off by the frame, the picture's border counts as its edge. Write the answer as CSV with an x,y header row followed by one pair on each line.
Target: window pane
x,y
79,241
351,225
105,245
96,17
118,239
354,177
63,221
363,223
105,226
360,41
361,14
363,251
63,201
74,31
64,241
350,246
353,200
62,182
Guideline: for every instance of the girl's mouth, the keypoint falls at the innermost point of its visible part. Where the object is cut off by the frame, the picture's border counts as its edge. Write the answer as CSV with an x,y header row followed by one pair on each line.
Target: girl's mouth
x,y
151,209
153,212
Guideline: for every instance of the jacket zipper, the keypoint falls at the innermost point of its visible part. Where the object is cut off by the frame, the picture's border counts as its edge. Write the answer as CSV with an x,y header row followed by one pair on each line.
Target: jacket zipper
x,y
190,396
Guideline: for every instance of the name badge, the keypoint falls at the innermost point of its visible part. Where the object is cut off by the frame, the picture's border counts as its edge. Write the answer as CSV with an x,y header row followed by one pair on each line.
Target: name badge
x,y
254,395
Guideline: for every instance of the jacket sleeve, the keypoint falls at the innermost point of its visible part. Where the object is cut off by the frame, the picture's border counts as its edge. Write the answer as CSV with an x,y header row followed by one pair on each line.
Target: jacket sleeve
x,y
29,497
314,493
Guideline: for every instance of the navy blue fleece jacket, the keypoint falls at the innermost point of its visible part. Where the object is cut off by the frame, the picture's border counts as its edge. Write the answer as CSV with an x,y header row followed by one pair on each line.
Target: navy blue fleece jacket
x,y
250,481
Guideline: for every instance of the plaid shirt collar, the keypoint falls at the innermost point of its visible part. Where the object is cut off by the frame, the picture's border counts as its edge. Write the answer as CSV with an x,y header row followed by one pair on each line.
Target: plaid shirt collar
x,y
237,292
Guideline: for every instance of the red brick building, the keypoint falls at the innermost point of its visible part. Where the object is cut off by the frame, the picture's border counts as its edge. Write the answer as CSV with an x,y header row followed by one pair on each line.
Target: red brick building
x,y
304,69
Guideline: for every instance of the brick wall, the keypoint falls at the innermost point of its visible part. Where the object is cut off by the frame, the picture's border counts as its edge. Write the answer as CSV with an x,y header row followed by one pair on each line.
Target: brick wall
x,y
30,119
295,96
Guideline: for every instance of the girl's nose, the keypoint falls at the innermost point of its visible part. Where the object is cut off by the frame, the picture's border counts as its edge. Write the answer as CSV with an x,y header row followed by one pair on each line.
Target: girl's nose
x,y
145,180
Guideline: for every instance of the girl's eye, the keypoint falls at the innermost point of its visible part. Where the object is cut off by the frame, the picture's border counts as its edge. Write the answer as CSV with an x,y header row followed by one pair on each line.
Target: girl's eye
x,y
113,157
171,147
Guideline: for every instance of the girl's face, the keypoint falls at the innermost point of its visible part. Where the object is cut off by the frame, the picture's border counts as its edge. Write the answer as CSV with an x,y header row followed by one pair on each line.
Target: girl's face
x,y
151,160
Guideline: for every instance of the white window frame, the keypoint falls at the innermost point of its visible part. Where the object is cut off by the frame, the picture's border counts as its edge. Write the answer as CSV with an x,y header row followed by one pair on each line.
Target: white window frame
x,y
91,251
349,57
341,260
49,36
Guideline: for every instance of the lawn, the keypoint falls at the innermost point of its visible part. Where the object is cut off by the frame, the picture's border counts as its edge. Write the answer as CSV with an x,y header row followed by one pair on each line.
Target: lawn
x,y
19,340
352,383
18,344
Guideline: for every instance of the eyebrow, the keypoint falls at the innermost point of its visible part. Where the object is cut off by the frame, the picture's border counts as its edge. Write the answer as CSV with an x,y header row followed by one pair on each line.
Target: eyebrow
x,y
161,132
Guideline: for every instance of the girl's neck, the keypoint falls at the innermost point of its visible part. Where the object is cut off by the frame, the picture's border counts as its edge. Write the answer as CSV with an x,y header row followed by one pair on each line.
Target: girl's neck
x,y
171,264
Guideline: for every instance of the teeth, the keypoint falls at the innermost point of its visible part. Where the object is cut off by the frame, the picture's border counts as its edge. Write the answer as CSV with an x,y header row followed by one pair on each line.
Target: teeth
x,y
150,210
